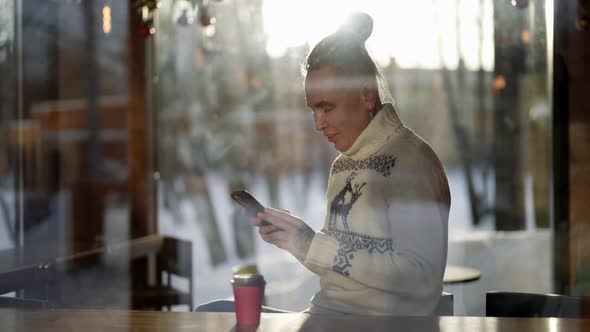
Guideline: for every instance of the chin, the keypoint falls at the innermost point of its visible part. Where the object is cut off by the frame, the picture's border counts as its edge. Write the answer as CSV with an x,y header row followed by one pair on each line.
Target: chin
x,y
340,148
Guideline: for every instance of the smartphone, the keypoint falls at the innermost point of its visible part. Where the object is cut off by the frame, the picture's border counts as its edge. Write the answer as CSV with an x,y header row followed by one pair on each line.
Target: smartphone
x,y
249,203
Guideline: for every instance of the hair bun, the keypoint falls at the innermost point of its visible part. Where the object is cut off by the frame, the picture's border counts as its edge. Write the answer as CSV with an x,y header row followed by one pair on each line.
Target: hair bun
x,y
358,25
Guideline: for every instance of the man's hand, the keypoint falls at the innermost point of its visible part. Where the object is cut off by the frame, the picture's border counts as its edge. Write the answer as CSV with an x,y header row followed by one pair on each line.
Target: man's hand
x,y
286,231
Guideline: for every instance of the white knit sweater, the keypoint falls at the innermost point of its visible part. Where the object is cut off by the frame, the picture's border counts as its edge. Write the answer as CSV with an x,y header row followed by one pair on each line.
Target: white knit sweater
x,y
383,247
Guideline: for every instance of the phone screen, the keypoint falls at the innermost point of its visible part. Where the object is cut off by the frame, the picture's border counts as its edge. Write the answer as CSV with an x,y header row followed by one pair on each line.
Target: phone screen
x,y
249,203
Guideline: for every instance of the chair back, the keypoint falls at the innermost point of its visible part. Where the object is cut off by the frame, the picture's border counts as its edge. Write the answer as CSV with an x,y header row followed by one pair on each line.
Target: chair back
x,y
514,304
445,305
173,257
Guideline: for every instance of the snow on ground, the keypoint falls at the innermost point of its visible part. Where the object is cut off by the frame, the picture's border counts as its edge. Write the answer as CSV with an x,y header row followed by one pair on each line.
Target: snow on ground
x,y
284,274
290,286
518,261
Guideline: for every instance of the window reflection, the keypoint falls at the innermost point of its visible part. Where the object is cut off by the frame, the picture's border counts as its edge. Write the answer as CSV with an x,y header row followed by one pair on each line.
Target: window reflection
x,y
459,78
226,111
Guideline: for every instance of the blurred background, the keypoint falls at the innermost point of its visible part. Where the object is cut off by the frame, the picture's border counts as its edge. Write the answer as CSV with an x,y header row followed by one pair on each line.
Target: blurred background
x,y
124,126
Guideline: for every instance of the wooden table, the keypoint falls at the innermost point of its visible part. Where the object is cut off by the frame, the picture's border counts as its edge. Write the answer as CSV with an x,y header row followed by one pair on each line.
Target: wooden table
x,y
457,274
122,320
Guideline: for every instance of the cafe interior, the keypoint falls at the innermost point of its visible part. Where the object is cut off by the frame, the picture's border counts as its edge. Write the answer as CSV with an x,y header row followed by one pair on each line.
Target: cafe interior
x,y
126,124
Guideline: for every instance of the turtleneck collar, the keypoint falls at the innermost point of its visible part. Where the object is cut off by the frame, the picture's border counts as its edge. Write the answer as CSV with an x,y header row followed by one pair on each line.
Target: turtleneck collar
x,y
379,130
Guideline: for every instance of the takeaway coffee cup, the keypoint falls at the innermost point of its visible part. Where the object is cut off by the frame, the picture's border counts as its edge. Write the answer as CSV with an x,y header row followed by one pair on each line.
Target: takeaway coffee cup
x,y
248,296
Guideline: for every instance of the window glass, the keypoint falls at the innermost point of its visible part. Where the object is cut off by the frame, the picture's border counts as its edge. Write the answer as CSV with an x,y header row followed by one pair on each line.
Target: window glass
x,y
114,171
231,114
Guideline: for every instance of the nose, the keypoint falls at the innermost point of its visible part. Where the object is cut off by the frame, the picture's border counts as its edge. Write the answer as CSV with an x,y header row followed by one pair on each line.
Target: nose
x,y
320,121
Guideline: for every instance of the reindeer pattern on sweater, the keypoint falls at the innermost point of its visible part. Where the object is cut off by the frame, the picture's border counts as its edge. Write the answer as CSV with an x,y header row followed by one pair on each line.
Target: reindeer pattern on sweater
x,y
344,201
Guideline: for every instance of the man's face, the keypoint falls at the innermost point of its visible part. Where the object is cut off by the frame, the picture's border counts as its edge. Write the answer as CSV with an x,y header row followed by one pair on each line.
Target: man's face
x,y
339,109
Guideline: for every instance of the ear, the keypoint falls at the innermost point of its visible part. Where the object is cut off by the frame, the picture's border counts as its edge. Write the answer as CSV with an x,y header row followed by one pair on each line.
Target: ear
x,y
369,97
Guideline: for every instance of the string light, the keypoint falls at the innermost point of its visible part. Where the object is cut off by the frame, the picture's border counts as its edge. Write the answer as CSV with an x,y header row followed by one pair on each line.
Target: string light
x,y
499,83
519,3
106,19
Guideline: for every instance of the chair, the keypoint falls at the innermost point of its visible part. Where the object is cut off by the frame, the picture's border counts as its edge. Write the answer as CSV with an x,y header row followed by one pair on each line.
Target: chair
x,y
511,304
173,258
445,305
32,282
